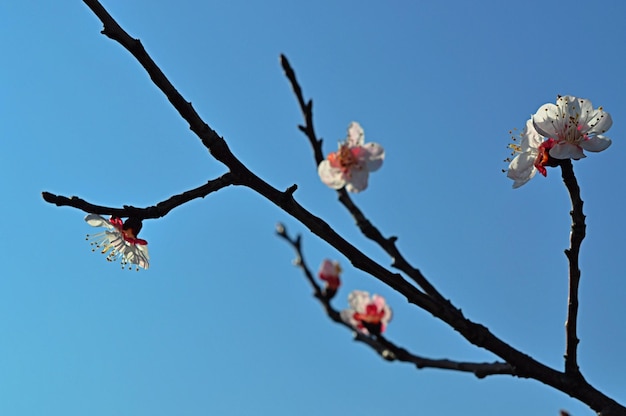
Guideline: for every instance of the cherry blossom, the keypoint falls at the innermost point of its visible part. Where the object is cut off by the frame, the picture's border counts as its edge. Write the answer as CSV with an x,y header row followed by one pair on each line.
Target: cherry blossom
x,y
575,126
533,154
351,164
369,315
329,272
119,241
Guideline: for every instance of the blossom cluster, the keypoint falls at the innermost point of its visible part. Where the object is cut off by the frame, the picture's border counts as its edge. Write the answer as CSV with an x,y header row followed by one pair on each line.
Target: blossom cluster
x,y
558,131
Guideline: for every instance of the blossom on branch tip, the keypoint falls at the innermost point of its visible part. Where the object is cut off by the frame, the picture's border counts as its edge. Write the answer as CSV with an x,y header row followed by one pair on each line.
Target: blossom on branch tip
x,y
532,155
574,125
119,241
369,315
329,272
351,164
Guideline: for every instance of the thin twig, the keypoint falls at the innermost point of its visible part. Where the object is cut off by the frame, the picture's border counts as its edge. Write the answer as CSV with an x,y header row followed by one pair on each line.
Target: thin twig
x,y
307,111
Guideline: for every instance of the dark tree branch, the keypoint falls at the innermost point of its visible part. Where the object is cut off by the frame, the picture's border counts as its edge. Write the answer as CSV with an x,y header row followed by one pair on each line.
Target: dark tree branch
x,y
296,244
307,111
385,348
476,334
156,211
577,235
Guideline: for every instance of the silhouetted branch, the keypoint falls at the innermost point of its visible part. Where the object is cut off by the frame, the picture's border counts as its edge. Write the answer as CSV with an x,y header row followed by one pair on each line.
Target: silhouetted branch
x,y
577,235
307,111
216,145
157,211
380,344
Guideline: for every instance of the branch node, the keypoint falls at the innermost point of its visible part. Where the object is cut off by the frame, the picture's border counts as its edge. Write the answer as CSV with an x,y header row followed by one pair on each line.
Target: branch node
x,y
289,191
281,230
388,355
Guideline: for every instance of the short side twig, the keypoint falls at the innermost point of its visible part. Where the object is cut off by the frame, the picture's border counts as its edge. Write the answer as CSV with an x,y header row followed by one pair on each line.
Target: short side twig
x,y
307,111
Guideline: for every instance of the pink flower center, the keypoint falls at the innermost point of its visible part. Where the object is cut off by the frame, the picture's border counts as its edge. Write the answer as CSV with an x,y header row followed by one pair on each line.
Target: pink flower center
x,y
345,158
371,315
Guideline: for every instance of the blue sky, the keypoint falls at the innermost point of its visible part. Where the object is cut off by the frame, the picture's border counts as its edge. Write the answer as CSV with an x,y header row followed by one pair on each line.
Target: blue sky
x,y
222,323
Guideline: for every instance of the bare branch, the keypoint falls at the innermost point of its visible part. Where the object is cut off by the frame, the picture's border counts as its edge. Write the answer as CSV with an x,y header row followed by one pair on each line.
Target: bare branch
x,y
307,111
577,235
212,141
156,211
296,244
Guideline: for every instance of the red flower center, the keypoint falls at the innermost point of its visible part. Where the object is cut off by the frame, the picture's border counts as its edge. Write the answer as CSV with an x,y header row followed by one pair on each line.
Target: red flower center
x,y
128,232
544,155
371,315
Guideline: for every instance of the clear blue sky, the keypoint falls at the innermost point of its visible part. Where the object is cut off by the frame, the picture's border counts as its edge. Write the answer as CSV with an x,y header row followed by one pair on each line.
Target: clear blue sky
x,y
222,323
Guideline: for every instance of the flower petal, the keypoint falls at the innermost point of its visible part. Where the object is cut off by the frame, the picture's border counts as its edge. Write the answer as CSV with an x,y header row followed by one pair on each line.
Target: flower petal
x,y
331,176
358,300
546,120
142,256
358,180
531,139
356,136
522,169
596,143
601,121
374,156
379,301
564,150
97,221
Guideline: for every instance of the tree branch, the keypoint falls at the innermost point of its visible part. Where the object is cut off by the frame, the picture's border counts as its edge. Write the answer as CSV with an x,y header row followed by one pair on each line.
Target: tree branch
x,y
156,211
577,235
307,111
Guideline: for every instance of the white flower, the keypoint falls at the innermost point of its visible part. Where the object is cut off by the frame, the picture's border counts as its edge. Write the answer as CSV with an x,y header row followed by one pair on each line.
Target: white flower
x,y
533,153
119,241
367,314
574,125
351,164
